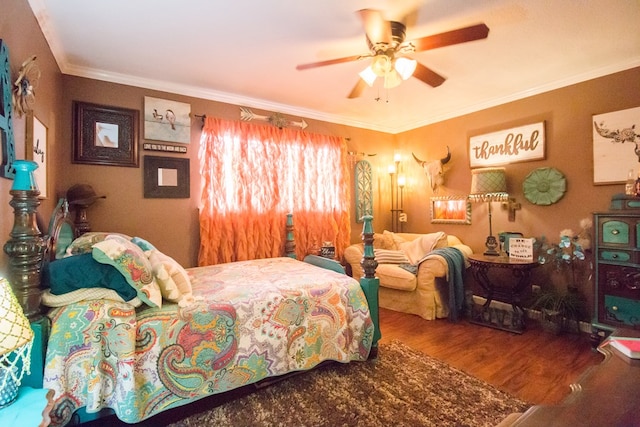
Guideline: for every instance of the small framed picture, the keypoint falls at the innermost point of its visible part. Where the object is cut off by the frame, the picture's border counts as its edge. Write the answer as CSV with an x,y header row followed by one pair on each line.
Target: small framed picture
x,y
105,135
166,177
36,150
450,210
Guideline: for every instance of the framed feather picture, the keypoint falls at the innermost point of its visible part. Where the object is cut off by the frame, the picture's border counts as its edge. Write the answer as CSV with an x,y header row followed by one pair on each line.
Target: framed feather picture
x,y
616,145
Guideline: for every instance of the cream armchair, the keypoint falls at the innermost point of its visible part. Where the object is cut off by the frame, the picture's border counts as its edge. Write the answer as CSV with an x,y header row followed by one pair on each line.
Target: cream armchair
x,y
425,293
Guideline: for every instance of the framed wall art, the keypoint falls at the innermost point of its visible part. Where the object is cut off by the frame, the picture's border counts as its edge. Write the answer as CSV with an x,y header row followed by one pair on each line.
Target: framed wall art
x,y
7,141
166,178
616,145
104,135
450,210
519,144
37,150
166,120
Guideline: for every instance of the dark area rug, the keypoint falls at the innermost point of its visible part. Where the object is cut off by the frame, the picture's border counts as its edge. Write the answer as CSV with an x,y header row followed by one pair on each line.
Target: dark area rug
x,y
402,387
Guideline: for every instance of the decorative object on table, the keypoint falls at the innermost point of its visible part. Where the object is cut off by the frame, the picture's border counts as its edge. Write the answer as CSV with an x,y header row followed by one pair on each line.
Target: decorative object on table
x,y
434,170
544,186
26,246
489,185
398,181
630,185
80,197
105,135
616,146
450,210
24,87
521,248
504,237
15,344
166,120
36,150
364,190
328,250
520,144
276,119
7,150
166,177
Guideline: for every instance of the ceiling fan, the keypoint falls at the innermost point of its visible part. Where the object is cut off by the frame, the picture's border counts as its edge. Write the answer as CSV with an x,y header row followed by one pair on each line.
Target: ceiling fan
x,y
389,52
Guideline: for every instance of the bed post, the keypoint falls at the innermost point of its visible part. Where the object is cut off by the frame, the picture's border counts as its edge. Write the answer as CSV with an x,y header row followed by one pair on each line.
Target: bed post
x,y
290,244
369,282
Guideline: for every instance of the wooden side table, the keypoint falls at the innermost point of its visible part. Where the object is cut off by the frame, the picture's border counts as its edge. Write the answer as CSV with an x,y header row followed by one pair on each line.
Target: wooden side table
x,y
31,409
485,270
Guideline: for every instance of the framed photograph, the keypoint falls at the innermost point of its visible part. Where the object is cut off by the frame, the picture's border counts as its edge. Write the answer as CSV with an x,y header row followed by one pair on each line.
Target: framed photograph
x,y
166,120
450,210
37,150
616,149
104,135
166,177
519,144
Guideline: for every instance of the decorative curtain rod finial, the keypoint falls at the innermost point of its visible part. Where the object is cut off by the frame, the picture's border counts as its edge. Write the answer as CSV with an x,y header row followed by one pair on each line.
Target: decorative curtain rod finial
x,y
276,119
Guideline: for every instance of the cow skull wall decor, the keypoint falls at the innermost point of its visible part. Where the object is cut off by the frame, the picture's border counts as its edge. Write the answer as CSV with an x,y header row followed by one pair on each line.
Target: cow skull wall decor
x,y
434,170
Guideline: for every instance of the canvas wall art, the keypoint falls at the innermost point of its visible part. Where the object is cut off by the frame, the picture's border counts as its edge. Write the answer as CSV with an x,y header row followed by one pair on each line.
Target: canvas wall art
x,y
166,120
616,150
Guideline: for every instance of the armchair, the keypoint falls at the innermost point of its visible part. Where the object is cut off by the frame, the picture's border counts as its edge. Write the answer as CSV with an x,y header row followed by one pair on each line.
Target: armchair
x,y
425,293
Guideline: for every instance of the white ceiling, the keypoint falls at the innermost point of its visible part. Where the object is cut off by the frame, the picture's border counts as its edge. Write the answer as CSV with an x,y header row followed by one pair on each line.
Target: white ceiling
x,y
245,52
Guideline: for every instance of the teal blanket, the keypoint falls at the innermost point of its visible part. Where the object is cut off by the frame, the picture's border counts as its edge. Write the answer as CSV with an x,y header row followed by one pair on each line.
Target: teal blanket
x,y
456,268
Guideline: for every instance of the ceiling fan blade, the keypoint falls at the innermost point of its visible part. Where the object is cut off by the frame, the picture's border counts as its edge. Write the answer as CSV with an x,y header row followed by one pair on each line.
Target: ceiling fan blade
x,y
377,28
428,76
448,38
329,62
357,89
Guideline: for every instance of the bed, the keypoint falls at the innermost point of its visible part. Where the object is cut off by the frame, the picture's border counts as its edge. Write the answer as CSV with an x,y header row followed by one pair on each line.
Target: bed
x,y
237,324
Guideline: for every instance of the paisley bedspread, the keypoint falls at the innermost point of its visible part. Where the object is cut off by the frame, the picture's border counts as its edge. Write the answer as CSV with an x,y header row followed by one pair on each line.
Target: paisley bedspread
x,y
252,320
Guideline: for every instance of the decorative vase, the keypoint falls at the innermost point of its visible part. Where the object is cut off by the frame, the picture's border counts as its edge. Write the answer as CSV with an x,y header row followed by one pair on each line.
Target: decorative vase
x,y
25,179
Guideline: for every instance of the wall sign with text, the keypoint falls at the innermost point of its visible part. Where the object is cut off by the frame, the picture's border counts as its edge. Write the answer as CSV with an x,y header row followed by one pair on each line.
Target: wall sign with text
x,y
520,144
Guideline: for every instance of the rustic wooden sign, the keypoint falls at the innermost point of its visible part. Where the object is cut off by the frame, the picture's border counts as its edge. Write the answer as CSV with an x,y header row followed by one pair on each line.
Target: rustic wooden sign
x,y
520,144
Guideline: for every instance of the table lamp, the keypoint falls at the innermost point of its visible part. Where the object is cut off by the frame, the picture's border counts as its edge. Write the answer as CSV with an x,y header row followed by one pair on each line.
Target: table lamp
x,y
16,338
489,185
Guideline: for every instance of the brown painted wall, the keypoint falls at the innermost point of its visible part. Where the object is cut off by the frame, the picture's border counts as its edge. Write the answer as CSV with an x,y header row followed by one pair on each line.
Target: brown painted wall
x,y
21,33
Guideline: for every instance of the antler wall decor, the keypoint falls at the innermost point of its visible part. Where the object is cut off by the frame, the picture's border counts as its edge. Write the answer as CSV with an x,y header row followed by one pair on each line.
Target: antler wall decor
x,y
276,119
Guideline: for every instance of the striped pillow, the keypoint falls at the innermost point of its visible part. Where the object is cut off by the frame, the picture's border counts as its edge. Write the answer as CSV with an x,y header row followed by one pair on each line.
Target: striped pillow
x,y
388,256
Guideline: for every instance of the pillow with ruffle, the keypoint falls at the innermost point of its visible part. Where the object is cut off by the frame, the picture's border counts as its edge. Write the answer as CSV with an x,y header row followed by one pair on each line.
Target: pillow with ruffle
x,y
132,263
84,244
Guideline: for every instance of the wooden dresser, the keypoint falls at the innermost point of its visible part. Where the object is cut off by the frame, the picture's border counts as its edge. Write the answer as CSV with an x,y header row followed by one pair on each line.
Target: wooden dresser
x,y
617,268
605,395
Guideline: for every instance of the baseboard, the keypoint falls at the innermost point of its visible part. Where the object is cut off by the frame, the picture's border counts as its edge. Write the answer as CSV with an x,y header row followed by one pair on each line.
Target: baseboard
x,y
531,314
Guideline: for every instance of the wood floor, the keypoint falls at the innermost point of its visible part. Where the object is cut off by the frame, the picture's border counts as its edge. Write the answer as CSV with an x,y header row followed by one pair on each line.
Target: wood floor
x,y
537,367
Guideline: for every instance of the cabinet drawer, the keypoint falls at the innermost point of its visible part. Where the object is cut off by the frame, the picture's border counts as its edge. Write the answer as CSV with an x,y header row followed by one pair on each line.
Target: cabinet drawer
x,y
615,232
622,311
617,255
619,280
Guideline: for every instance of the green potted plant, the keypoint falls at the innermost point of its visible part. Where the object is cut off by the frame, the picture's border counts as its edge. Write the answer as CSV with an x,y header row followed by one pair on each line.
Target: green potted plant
x,y
561,305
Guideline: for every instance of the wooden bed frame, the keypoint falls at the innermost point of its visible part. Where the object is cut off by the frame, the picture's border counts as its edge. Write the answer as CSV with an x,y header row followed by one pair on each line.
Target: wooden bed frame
x,y
28,250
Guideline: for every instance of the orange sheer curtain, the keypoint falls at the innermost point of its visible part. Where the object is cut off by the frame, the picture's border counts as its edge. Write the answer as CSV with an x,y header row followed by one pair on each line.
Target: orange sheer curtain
x,y
253,175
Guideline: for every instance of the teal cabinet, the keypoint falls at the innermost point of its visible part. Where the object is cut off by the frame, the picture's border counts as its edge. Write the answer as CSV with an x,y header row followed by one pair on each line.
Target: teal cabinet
x,y
617,271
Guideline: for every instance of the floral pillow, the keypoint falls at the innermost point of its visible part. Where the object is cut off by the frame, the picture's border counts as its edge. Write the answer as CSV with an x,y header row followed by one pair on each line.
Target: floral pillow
x,y
84,244
132,263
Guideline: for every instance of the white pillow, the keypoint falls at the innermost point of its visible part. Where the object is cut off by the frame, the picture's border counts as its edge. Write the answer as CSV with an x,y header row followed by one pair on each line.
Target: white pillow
x,y
388,256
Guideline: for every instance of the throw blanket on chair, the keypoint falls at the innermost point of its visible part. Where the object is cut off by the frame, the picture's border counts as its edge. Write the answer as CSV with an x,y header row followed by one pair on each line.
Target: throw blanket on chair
x,y
455,276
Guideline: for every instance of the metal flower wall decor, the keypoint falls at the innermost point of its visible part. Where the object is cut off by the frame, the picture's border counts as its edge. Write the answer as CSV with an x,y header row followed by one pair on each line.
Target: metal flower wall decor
x,y
544,186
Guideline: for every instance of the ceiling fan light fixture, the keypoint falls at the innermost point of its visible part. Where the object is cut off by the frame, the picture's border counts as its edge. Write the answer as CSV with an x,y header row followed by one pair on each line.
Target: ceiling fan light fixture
x,y
381,64
392,79
405,67
368,76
